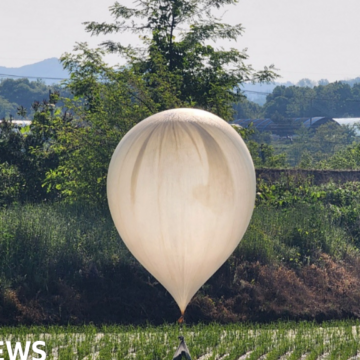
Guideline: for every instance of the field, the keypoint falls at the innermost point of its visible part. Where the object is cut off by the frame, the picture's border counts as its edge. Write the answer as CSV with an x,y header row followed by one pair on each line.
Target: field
x,y
305,341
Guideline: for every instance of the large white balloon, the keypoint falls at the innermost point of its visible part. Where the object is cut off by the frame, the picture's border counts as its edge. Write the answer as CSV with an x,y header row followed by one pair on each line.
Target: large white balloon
x,y
181,191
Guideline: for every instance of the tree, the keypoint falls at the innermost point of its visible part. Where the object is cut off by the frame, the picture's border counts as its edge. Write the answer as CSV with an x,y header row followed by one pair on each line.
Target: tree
x,y
330,137
26,156
174,69
309,147
246,109
21,93
264,155
348,158
290,102
323,82
306,83
6,108
106,104
336,99
176,35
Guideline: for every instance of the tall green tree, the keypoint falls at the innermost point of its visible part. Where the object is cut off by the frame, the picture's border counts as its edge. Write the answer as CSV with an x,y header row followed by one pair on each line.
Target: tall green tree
x,y
176,67
309,148
333,100
246,109
176,33
106,104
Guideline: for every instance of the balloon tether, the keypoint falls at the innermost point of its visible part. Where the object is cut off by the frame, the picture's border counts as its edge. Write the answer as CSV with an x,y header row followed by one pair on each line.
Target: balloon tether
x,y
181,321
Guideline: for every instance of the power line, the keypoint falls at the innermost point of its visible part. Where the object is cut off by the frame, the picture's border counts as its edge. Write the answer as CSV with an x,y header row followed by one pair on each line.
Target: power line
x,y
304,97
248,91
33,77
293,127
257,92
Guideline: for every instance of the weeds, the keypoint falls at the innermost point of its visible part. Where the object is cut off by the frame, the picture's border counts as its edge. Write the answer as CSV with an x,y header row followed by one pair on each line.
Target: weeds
x,y
63,263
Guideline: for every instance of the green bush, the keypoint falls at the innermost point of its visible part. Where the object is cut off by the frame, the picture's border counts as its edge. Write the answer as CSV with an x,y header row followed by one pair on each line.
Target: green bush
x,y
295,235
40,244
11,184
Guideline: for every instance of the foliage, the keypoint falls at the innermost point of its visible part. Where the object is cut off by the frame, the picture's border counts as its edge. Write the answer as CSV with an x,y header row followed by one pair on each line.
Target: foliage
x,y
169,72
289,190
246,109
312,148
22,93
177,34
11,184
348,158
293,235
263,155
6,107
106,104
340,202
41,242
66,263
334,100
25,157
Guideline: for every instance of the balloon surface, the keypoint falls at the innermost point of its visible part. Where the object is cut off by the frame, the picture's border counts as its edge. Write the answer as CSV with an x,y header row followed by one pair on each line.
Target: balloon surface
x,y
181,191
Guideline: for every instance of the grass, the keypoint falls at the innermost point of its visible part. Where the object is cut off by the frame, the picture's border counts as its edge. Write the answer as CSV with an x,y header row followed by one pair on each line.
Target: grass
x,y
293,235
293,341
62,263
37,241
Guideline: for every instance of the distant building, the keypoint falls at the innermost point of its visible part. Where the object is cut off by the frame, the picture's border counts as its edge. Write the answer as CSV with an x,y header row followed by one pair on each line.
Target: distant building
x,y
18,124
21,123
347,121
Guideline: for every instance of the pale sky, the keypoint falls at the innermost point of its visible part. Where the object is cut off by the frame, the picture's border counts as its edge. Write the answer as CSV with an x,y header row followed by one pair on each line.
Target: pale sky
x,y
313,39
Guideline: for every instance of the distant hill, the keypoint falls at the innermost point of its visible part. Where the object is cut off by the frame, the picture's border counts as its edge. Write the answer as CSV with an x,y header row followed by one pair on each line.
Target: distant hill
x,y
49,68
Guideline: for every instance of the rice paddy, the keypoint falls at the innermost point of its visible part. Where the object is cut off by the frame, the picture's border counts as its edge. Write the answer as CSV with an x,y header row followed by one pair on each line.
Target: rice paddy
x,y
284,341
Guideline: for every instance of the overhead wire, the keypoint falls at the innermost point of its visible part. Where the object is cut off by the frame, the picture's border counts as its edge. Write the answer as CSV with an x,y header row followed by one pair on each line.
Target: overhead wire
x,y
33,77
305,97
248,91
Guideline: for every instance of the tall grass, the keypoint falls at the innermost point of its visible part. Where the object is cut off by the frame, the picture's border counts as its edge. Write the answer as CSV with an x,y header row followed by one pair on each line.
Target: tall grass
x,y
41,242
294,235
71,256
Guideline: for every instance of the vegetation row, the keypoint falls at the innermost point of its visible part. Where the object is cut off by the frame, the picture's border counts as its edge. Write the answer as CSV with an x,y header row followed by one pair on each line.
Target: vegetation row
x,y
64,263
333,340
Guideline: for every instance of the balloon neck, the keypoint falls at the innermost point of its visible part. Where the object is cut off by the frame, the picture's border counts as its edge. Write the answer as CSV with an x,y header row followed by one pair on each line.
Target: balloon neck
x,y
181,318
